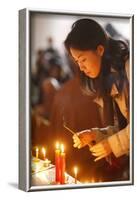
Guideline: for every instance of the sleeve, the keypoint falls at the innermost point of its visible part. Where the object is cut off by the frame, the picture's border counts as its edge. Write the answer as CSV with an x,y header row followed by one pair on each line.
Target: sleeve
x,y
119,142
103,133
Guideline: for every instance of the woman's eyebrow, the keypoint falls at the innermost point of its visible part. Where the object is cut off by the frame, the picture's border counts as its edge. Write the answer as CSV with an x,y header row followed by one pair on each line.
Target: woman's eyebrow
x,y
80,55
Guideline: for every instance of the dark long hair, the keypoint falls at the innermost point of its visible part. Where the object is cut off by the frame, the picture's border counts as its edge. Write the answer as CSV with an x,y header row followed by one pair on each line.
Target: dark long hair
x,y
87,34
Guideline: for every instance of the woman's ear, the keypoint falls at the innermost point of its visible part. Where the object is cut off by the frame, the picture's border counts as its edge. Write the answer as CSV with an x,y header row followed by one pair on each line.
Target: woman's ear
x,y
100,50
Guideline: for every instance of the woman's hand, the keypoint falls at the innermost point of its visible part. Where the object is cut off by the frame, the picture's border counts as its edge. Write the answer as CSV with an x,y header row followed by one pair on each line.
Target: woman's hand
x,y
101,150
83,138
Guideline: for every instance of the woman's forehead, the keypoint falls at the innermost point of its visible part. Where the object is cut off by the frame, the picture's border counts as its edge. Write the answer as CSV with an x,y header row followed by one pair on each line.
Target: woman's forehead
x,y
77,53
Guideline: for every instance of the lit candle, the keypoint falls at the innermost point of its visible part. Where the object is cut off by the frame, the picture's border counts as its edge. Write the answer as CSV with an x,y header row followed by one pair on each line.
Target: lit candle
x,y
37,152
44,153
75,174
92,180
62,164
57,163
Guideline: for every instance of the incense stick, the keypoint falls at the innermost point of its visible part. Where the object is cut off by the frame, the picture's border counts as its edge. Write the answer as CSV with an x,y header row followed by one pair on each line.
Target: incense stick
x,y
69,129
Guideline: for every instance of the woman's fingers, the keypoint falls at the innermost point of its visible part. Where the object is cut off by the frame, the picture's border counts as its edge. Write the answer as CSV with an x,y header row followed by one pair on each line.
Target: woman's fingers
x,y
101,150
83,138
99,153
75,137
79,146
76,145
97,147
77,142
100,157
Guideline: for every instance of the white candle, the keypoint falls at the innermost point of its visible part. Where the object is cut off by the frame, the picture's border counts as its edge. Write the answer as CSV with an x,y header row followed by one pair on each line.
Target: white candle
x,y
37,152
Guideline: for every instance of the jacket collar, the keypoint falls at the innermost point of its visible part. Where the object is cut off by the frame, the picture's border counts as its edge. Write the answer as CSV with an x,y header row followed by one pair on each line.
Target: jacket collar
x,y
113,93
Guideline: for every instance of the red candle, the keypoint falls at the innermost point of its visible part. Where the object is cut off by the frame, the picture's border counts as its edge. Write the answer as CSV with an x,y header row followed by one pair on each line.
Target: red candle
x,y
57,164
62,164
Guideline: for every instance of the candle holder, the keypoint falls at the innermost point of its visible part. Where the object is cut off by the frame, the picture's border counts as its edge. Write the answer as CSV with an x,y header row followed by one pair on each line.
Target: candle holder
x,y
34,159
36,165
46,163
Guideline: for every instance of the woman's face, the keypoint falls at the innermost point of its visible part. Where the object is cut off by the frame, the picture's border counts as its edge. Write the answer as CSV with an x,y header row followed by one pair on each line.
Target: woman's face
x,y
89,61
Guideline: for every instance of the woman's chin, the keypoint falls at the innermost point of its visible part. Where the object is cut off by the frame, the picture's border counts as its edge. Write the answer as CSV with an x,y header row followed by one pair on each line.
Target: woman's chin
x,y
91,75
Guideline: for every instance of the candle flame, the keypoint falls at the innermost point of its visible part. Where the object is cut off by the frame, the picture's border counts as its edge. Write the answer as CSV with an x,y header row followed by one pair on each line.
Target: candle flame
x,y
44,151
62,148
57,145
37,149
75,170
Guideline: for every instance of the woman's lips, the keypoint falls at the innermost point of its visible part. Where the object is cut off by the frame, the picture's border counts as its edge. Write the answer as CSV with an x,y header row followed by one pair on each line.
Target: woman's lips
x,y
88,74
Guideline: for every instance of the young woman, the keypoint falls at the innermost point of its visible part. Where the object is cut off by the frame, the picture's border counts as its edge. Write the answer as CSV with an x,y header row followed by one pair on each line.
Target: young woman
x,y
103,64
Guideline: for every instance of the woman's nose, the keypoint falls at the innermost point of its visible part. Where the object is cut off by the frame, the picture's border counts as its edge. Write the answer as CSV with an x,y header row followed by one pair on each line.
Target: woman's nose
x,y
82,67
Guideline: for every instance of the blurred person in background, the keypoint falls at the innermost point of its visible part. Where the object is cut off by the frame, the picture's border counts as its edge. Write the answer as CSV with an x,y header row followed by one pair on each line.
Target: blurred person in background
x,y
114,33
40,113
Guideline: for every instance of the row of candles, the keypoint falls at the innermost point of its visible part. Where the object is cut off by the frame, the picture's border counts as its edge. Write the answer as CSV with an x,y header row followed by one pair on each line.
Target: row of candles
x,y
43,153
60,163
